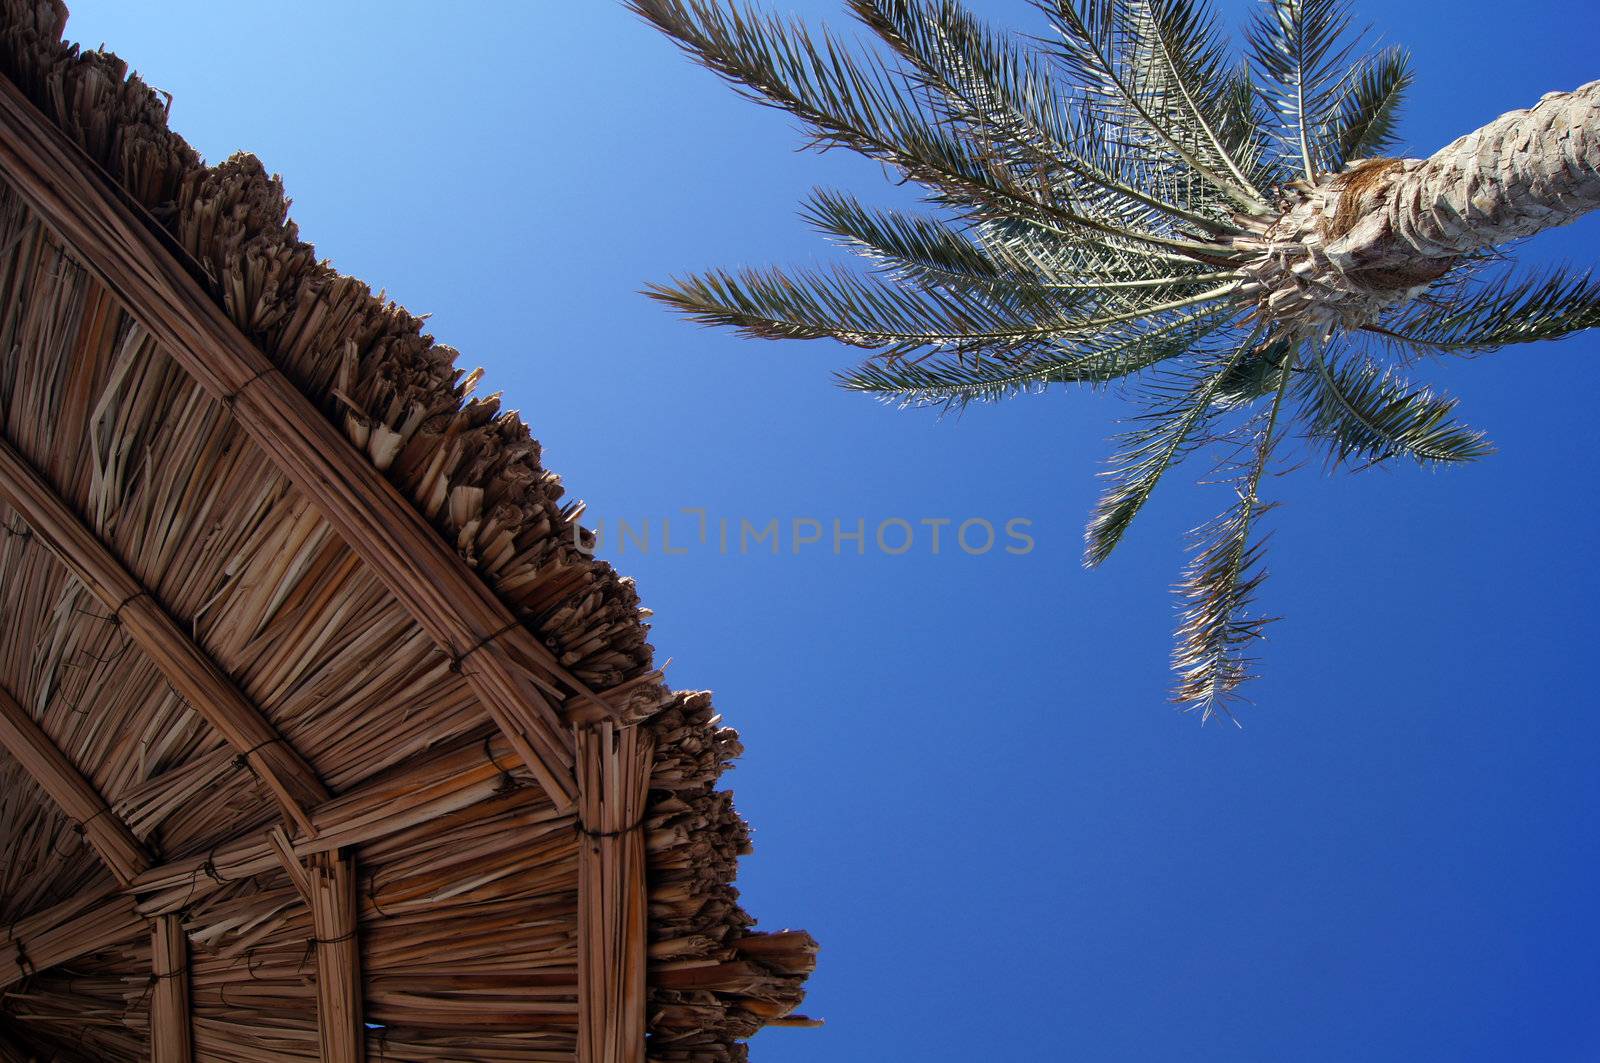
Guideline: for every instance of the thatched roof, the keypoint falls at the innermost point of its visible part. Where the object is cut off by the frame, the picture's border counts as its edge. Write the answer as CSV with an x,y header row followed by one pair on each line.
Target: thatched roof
x,y
320,736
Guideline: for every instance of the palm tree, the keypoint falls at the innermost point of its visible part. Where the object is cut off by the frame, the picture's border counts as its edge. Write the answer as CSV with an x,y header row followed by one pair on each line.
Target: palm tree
x,y
1126,200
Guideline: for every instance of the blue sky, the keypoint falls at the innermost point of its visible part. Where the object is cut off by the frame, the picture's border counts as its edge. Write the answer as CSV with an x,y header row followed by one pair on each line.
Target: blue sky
x,y
962,772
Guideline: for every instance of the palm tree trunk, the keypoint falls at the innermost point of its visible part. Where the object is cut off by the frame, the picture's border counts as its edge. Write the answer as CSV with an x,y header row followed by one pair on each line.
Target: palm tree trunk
x,y
1525,171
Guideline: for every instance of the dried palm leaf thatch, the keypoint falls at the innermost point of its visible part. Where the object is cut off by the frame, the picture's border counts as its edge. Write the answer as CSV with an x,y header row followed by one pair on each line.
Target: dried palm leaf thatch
x,y
489,917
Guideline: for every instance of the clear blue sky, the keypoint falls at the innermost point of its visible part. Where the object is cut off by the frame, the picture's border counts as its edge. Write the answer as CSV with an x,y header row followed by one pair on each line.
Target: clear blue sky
x,y
962,772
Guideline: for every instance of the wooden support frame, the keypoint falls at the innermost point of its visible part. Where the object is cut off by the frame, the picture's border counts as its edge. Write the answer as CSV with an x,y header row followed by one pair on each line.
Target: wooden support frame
x,y
434,786
171,1019
613,902
122,853
171,1036
190,670
513,674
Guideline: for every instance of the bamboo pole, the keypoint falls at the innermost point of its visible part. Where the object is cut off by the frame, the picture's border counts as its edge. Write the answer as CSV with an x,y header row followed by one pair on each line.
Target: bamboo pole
x,y
331,881
111,839
171,1023
513,673
613,901
189,669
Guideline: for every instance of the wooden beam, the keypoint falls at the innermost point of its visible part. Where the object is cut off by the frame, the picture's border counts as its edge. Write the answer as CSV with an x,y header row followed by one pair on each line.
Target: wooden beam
x,y
341,1030
515,676
432,787
613,902
126,857
31,747
171,1021
435,786
61,933
190,670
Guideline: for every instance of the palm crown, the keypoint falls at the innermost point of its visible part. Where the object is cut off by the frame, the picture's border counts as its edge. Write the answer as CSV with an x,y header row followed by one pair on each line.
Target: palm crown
x,y
1126,200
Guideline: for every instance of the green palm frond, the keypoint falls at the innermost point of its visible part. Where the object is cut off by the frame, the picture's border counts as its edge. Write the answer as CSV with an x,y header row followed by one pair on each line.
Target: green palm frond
x,y
1196,83
1302,50
871,312
917,247
1218,622
1365,122
1247,130
1102,45
1472,316
1255,376
953,383
1035,250
861,311
850,100
856,101
923,249
1361,412
1006,94
1160,439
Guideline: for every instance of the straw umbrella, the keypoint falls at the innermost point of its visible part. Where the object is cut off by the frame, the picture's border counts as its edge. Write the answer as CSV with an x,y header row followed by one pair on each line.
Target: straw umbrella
x,y
321,736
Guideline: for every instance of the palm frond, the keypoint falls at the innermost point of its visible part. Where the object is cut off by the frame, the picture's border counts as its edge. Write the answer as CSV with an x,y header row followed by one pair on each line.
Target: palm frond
x,y
1034,250
1365,123
918,247
1360,412
1161,440
1189,71
1473,316
1006,98
1255,376
851,100
871,312
862,311
1302,51
1136,101
921,249
953,383
857,101
1247,129
1006,94
1217,619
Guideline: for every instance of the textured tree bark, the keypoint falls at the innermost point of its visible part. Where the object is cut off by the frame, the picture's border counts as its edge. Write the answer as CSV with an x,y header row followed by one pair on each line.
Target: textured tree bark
x,y
1356,242
1526,171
